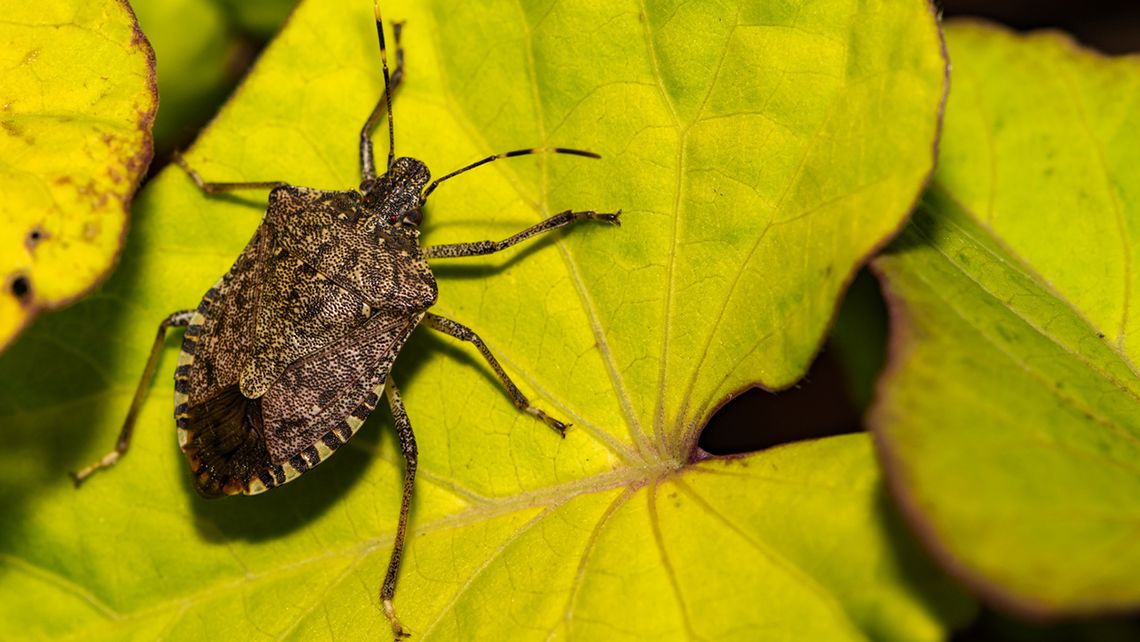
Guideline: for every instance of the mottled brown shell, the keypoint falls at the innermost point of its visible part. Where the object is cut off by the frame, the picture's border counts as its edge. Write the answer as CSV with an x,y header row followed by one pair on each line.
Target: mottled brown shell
x,y
288,353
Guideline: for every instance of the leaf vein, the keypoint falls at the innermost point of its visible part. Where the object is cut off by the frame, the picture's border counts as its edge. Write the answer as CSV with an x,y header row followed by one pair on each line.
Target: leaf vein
x,y
61,582
499,550
670,572
587,552
794,570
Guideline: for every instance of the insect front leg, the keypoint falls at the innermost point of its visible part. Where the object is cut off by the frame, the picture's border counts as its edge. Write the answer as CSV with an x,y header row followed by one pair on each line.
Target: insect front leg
x,y
217,188
479,248
177,319
463,333
408,446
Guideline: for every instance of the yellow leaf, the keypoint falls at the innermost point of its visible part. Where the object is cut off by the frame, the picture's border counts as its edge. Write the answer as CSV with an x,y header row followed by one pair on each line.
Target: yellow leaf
x,y
77,100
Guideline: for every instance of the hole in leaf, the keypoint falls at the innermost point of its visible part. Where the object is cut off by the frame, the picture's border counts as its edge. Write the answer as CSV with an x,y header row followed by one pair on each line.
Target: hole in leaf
x,y
818,406
830,400
21,288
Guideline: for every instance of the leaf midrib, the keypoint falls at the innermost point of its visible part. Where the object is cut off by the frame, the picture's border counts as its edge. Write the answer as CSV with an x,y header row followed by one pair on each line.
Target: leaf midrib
x,y
547,498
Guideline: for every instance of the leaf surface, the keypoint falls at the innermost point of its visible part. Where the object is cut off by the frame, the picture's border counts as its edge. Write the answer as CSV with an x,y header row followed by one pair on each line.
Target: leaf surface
x,y
748,150
1009,422
77,100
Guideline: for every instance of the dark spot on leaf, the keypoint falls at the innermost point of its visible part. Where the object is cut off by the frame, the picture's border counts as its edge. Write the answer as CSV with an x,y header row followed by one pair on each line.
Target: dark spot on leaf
x,y
34,237
138,39
21,288
16,131
1100,335
1006,333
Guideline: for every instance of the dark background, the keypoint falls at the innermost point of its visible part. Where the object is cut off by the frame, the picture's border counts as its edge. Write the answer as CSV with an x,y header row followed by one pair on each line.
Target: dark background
x,y
1112,27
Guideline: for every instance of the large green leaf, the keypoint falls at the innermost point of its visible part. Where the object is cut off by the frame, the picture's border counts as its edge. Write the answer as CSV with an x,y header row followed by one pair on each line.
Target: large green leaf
x,y
759,152
77,100
1010,422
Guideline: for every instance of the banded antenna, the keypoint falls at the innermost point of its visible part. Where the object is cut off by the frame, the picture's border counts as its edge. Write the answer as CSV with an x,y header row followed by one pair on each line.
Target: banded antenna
x,y
387,91
511,154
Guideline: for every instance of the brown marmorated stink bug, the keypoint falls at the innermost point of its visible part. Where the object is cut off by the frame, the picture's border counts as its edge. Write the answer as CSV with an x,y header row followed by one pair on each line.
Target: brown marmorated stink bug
x,y
288,353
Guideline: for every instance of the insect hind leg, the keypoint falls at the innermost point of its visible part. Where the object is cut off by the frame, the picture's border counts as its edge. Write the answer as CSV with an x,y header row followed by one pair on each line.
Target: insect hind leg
x,y
124,442
408,447
463,333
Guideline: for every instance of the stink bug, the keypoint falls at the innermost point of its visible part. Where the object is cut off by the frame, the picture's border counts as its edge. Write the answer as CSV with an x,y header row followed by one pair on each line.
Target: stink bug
x,y
289,352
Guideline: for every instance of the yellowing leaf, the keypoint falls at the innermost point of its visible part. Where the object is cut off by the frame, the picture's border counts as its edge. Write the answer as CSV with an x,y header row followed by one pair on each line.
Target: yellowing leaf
x,y
77,100
1010,422
759,151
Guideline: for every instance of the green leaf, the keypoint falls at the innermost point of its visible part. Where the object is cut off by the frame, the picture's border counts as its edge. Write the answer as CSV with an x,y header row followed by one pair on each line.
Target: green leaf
x,y
77,100
193,64
261,17
1010,418
758,152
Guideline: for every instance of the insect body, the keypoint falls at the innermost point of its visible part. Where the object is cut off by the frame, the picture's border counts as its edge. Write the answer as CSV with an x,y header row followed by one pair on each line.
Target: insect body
x,y
289,352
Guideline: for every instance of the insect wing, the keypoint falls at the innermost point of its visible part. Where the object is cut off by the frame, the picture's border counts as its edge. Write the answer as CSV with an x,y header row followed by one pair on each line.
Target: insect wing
x,y
220,334
322,399
300,311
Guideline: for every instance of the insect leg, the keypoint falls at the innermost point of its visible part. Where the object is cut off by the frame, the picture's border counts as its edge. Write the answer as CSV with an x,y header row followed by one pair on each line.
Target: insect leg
x,y
408,446
216,188
177,319
478,248
367,161
463,333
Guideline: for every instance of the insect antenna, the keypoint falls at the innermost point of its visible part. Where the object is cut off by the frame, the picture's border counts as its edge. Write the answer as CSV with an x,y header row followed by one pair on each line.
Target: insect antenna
x,y
387,90
511,154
